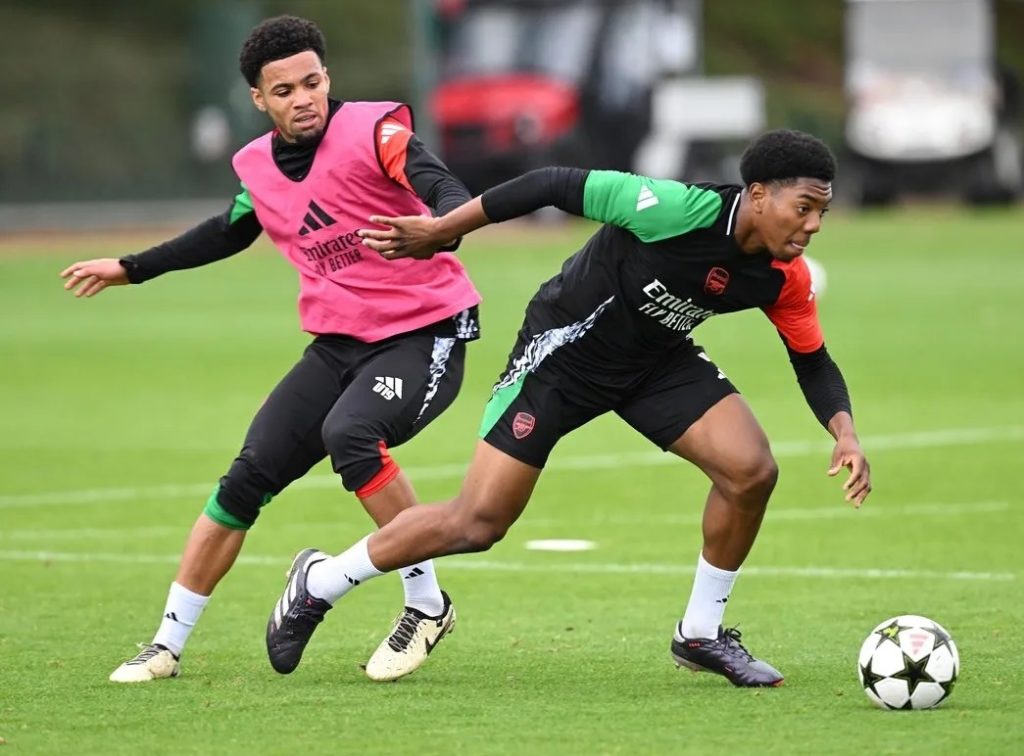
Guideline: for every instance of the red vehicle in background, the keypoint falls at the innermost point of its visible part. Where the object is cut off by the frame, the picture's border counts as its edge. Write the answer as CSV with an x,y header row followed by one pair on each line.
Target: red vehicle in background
x,y
538,82
495,126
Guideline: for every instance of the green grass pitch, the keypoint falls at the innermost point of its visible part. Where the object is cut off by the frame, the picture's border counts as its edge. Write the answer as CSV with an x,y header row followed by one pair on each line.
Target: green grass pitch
x,y
119,413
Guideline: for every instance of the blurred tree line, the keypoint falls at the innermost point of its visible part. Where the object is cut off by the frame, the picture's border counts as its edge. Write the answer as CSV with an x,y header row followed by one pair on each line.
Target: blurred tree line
x,y
101,99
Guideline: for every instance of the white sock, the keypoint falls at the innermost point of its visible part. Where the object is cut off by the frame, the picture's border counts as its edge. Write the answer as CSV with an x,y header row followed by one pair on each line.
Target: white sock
x,y
421,589
180,616
711,589
333,578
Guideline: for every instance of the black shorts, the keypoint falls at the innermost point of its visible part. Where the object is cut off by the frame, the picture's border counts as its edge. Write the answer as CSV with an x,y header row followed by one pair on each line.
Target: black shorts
x,y
533,406
343,399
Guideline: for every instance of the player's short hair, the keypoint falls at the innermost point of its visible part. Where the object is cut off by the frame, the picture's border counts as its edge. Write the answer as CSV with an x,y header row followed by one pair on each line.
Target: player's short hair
x,y
784,155
277,38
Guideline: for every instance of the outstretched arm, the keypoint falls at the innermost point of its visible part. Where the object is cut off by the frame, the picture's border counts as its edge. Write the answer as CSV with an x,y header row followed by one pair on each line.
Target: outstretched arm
x,y
651,209
213,239
420,237
825,391
795,315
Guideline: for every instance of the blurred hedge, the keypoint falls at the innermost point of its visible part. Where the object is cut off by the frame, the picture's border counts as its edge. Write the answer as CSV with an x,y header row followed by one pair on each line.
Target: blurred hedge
x,y
98,97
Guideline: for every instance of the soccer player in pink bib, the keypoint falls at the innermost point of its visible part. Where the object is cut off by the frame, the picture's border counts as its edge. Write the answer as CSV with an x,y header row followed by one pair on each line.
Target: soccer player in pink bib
x,y
388,346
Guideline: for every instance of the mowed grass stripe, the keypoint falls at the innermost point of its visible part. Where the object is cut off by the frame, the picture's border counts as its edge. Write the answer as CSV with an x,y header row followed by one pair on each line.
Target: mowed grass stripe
x,y
931,509
897,441
602,568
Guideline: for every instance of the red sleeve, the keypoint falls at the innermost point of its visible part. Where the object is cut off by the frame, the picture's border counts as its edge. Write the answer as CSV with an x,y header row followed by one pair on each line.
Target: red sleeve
x,y
795,312
392,139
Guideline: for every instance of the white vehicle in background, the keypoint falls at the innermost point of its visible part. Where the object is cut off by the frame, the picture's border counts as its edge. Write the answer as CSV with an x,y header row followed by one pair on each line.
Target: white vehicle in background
x,y
927,108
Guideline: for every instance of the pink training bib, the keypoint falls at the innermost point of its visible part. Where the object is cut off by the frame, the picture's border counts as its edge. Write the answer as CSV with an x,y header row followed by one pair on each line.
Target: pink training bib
x,y
345,287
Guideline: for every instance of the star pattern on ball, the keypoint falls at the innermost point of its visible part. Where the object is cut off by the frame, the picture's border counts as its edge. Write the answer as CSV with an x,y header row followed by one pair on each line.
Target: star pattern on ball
x,y
913,672
891,632
942,638
870,678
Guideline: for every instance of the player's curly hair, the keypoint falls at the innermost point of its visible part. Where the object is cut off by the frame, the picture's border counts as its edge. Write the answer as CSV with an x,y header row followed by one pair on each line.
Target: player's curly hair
x,y
784,155
277,38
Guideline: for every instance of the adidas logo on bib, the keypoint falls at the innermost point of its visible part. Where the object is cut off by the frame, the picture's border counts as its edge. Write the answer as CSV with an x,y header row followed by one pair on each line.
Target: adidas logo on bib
x,y
315,219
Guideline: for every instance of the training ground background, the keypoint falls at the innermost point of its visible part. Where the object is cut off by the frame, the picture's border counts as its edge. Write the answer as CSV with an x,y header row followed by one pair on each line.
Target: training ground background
x,y
120,413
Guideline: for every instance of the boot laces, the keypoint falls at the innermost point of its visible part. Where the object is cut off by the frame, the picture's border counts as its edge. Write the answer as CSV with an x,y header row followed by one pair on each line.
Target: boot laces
x,y
405,631
730,639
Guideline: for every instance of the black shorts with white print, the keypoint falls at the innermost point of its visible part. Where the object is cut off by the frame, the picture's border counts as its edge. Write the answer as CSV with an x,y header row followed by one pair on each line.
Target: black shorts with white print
x,y
535,405
351,401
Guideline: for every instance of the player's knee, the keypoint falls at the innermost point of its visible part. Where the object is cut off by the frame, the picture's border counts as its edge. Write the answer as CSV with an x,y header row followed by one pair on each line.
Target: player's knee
x,y
480,535
753,482
478,530
240,495
356,451
340,437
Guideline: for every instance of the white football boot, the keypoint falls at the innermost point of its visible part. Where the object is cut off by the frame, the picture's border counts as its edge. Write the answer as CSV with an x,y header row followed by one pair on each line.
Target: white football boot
x,y
152,663
411,640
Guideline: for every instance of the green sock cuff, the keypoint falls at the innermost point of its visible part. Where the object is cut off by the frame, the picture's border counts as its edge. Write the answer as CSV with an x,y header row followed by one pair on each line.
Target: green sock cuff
x,y
221,516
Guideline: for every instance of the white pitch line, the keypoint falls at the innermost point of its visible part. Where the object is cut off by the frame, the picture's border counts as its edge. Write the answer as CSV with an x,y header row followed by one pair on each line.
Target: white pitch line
x,y
84,534
107,558
839,510
673,569
917,440
832,512
469,563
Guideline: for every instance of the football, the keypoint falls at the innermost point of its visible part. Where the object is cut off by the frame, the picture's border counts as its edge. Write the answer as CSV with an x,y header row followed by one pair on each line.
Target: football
x,y
908,662
819,278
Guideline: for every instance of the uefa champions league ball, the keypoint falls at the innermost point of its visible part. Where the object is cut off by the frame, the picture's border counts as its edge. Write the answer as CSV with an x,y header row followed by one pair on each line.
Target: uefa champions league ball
x,y
908,662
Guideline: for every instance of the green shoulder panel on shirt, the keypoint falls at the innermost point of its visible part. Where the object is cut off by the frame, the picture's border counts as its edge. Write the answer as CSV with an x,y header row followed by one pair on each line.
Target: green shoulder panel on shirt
x,y
242,204
653,209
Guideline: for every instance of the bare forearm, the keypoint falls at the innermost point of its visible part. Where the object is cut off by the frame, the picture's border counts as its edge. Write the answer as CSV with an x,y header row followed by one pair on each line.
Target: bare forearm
x,y
841,426
462,220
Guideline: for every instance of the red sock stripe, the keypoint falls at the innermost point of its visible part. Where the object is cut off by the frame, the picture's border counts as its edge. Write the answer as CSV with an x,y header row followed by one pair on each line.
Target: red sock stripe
x,y
388,472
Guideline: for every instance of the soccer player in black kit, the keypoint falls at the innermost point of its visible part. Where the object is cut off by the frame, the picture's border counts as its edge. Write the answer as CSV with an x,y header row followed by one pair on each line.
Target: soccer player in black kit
x,y
612,332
